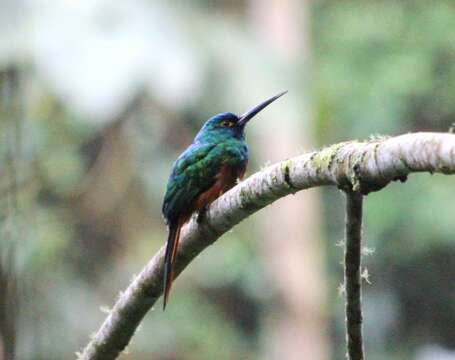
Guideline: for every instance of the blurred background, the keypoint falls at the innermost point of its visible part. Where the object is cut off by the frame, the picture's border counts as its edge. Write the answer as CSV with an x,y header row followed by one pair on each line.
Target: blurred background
x,y
97,98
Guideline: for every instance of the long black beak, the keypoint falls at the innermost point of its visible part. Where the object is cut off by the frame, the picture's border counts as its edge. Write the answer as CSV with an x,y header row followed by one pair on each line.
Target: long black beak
x,y
249,115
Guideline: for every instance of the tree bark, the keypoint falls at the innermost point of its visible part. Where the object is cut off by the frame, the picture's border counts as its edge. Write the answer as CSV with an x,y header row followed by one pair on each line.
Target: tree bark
x,y
352,278
358,166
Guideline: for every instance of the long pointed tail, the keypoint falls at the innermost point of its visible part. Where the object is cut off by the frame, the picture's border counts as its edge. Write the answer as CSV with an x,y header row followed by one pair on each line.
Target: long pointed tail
x,y
169,259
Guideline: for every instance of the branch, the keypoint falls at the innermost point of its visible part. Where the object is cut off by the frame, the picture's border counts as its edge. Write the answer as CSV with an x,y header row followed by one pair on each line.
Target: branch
x,y
359,166
352,279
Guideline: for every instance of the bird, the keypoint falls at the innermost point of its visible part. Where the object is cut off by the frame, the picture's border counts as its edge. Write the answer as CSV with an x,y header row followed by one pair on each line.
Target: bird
x,y
210,166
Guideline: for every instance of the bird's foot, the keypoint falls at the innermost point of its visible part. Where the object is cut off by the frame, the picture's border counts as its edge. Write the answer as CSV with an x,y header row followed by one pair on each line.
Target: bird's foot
x,y
201,214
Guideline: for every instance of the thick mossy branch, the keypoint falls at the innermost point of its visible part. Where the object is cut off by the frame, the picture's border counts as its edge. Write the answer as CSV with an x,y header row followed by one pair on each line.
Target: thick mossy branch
x,y
359,166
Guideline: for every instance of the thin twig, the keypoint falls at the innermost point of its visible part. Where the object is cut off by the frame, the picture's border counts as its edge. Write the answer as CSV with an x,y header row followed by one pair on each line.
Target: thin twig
x,y
352,278
364,166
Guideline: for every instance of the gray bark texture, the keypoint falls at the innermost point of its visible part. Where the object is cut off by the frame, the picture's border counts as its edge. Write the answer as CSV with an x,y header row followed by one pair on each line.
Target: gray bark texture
x,y
352,166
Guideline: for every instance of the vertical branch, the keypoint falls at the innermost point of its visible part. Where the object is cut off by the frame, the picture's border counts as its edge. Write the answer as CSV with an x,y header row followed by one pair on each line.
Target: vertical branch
x,y
352,278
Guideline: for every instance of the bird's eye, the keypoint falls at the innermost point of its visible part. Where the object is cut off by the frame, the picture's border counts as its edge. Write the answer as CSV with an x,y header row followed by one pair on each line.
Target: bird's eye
x,y
227,123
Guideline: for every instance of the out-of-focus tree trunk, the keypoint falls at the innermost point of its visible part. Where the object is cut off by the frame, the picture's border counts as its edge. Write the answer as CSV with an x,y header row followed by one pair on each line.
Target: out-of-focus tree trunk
x,y
8,309
10,119
292,243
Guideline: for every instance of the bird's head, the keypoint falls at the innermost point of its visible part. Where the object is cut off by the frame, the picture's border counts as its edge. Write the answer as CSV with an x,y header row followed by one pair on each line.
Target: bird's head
x,y
230,125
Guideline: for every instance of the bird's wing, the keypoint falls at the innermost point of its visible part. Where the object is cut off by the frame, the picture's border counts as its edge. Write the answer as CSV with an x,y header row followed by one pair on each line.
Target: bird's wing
x,y
193,173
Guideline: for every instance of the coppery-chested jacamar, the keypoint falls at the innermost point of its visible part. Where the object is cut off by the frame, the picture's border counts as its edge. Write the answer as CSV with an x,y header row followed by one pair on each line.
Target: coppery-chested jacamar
x,y
209,167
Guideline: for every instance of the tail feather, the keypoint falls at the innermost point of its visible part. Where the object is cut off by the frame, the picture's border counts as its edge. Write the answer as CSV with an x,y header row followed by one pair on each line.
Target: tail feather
x,y
169,259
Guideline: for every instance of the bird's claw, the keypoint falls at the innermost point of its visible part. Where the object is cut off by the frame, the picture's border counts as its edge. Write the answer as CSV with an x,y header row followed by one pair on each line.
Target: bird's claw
x,y
201,214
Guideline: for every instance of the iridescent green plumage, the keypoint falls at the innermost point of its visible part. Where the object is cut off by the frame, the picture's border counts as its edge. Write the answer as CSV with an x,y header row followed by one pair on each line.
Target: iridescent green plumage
x,y
210,166
196,169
